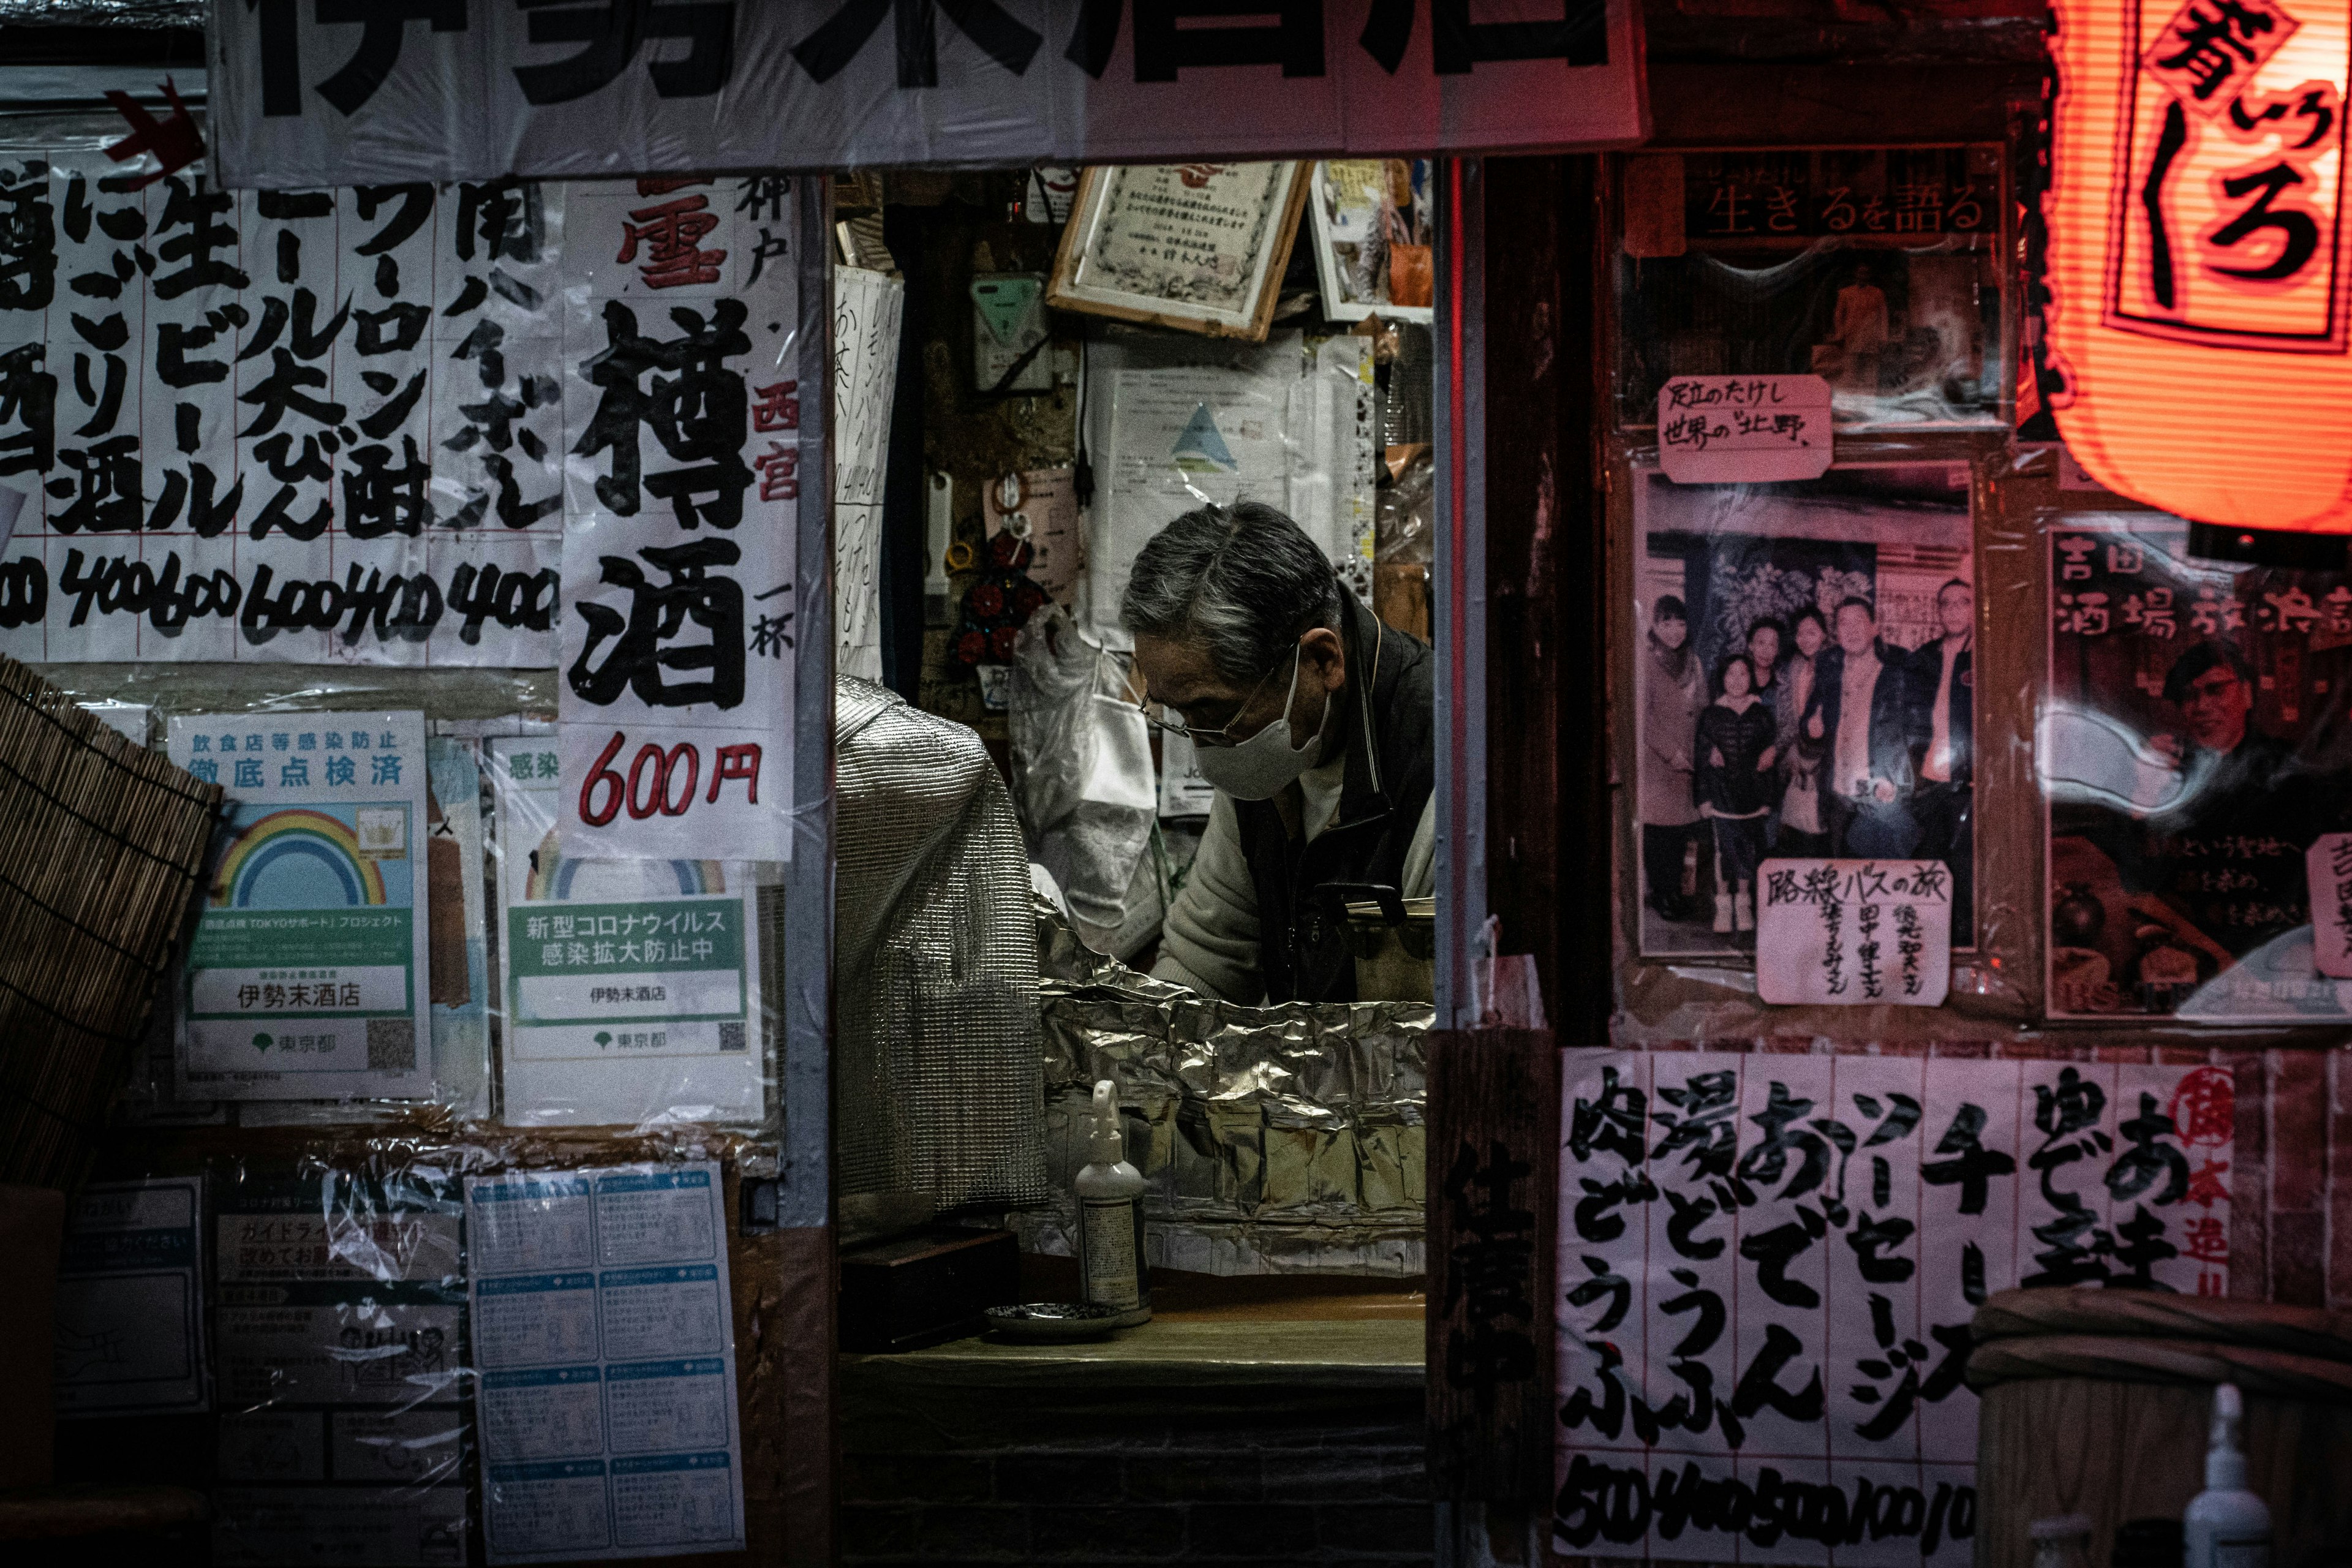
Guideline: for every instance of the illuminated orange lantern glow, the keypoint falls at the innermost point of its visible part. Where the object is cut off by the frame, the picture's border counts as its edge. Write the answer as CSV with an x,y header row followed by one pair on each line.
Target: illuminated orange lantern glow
x,y
2196,256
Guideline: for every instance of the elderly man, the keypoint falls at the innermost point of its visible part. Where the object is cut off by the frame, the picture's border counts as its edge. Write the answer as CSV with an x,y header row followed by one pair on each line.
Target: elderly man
x,y
1312,720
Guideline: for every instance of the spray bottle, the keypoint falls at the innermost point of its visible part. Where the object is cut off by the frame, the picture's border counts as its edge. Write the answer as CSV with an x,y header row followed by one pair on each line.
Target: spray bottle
x,y
2226,1526
1110,1216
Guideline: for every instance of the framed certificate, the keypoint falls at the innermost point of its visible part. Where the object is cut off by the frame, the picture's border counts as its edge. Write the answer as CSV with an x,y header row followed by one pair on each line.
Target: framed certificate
x,y
1198,247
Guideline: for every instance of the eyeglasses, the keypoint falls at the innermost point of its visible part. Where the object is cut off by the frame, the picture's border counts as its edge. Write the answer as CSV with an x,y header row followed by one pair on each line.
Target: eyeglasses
x,y
1168,722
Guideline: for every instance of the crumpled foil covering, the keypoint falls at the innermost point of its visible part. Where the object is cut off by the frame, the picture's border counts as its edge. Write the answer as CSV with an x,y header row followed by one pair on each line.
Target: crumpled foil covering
x,y
1277,1140
936,1085
102,13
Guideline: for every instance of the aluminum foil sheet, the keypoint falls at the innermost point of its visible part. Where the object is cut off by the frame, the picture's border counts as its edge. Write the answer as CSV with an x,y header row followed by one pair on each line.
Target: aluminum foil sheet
x,y
102,13
1277,1140
936,1086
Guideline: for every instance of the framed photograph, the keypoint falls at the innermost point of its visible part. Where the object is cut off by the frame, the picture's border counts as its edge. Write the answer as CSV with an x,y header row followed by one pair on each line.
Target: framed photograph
x,y
1877,268
2190,751
1373,227
1197,246
1804,659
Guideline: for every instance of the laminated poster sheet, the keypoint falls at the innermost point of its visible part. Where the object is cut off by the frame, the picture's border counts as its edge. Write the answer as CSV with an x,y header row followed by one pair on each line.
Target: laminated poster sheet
x,y
632,987
1771,1262
1278,424
306,978
341,1346
2191,753
606,1340
131,1299
867,308
1845,607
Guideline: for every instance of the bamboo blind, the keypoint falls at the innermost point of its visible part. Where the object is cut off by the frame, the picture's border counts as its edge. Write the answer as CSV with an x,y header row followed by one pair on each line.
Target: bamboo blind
x,y
102,843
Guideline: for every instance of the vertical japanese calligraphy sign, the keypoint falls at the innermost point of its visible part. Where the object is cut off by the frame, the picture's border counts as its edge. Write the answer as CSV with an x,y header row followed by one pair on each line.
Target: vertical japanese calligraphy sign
x,y
462,88
2196,229
683,388
1767,1266
295,427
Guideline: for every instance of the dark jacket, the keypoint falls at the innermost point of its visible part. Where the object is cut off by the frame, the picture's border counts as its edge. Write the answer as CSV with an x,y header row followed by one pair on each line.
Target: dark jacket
x,y
1926,672
1897,724
1736,788
1390,720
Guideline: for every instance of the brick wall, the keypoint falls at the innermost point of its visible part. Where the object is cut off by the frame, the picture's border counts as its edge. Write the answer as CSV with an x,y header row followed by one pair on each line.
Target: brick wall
x,y
1094,1471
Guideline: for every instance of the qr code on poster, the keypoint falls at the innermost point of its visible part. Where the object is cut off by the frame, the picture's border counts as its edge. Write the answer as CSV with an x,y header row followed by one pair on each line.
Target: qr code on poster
x,y
392,1045
730,1035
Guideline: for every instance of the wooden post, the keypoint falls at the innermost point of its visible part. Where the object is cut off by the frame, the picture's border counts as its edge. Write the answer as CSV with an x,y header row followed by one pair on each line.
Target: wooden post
x,y
1494,1138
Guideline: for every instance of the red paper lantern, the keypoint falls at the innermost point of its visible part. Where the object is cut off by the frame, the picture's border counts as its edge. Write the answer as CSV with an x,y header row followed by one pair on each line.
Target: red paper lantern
x,y
2198,261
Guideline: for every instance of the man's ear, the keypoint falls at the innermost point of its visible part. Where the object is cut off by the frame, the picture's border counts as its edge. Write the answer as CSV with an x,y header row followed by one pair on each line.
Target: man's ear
x,y
1327,657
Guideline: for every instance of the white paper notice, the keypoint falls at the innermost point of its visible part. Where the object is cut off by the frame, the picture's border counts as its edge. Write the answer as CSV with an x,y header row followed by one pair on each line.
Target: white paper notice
x,y
606,1338
631,986
1855,934
2329,866
1770,1263
1730,429
1182,790
682,501
306,978
131,1299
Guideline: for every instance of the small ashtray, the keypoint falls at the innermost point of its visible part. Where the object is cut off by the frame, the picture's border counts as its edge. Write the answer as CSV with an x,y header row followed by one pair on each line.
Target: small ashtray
x,y
1054,1320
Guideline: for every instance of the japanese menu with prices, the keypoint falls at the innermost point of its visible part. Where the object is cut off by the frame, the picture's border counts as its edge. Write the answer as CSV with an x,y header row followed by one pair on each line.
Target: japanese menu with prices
x,y
1770,1264
631,986
606,1341
306,979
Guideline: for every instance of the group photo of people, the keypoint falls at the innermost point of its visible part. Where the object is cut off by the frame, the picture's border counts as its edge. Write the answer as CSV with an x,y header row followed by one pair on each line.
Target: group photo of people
x,y
1804,689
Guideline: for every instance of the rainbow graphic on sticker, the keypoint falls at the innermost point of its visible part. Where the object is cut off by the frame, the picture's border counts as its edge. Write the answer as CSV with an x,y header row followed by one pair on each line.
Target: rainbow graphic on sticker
x,y
597,881
296,859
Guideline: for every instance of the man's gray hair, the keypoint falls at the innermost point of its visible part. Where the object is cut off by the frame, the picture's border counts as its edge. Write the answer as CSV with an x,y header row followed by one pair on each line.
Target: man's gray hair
x,y
1243,582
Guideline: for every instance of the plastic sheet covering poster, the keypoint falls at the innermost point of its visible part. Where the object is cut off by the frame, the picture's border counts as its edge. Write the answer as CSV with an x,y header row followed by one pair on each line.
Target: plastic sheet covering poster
x,y
631,986
606,1340
682,500
307,975
304,427
340,1340
1768,1265
131,1299
457,899
1805,688
1282,424
2191,754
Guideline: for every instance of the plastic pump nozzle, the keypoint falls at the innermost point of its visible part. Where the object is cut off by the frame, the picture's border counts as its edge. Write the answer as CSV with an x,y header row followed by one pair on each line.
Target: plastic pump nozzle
x,y
1105,1144
2225,1459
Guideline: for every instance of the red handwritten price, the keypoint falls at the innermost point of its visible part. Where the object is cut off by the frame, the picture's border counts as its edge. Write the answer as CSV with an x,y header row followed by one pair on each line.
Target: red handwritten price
x,y
662,783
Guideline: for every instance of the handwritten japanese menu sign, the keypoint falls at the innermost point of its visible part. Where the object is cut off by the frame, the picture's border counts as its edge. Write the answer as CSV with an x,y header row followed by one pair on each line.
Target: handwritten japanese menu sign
x,y
352,425
1770,1264
682,499
1854,932
1726,429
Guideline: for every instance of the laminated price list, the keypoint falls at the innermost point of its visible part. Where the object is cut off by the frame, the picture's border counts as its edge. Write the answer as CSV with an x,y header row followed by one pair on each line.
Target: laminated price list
x,y
607,1362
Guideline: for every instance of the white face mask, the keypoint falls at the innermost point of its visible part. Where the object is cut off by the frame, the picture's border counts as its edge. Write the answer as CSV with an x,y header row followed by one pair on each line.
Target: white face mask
x,y
1259,767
